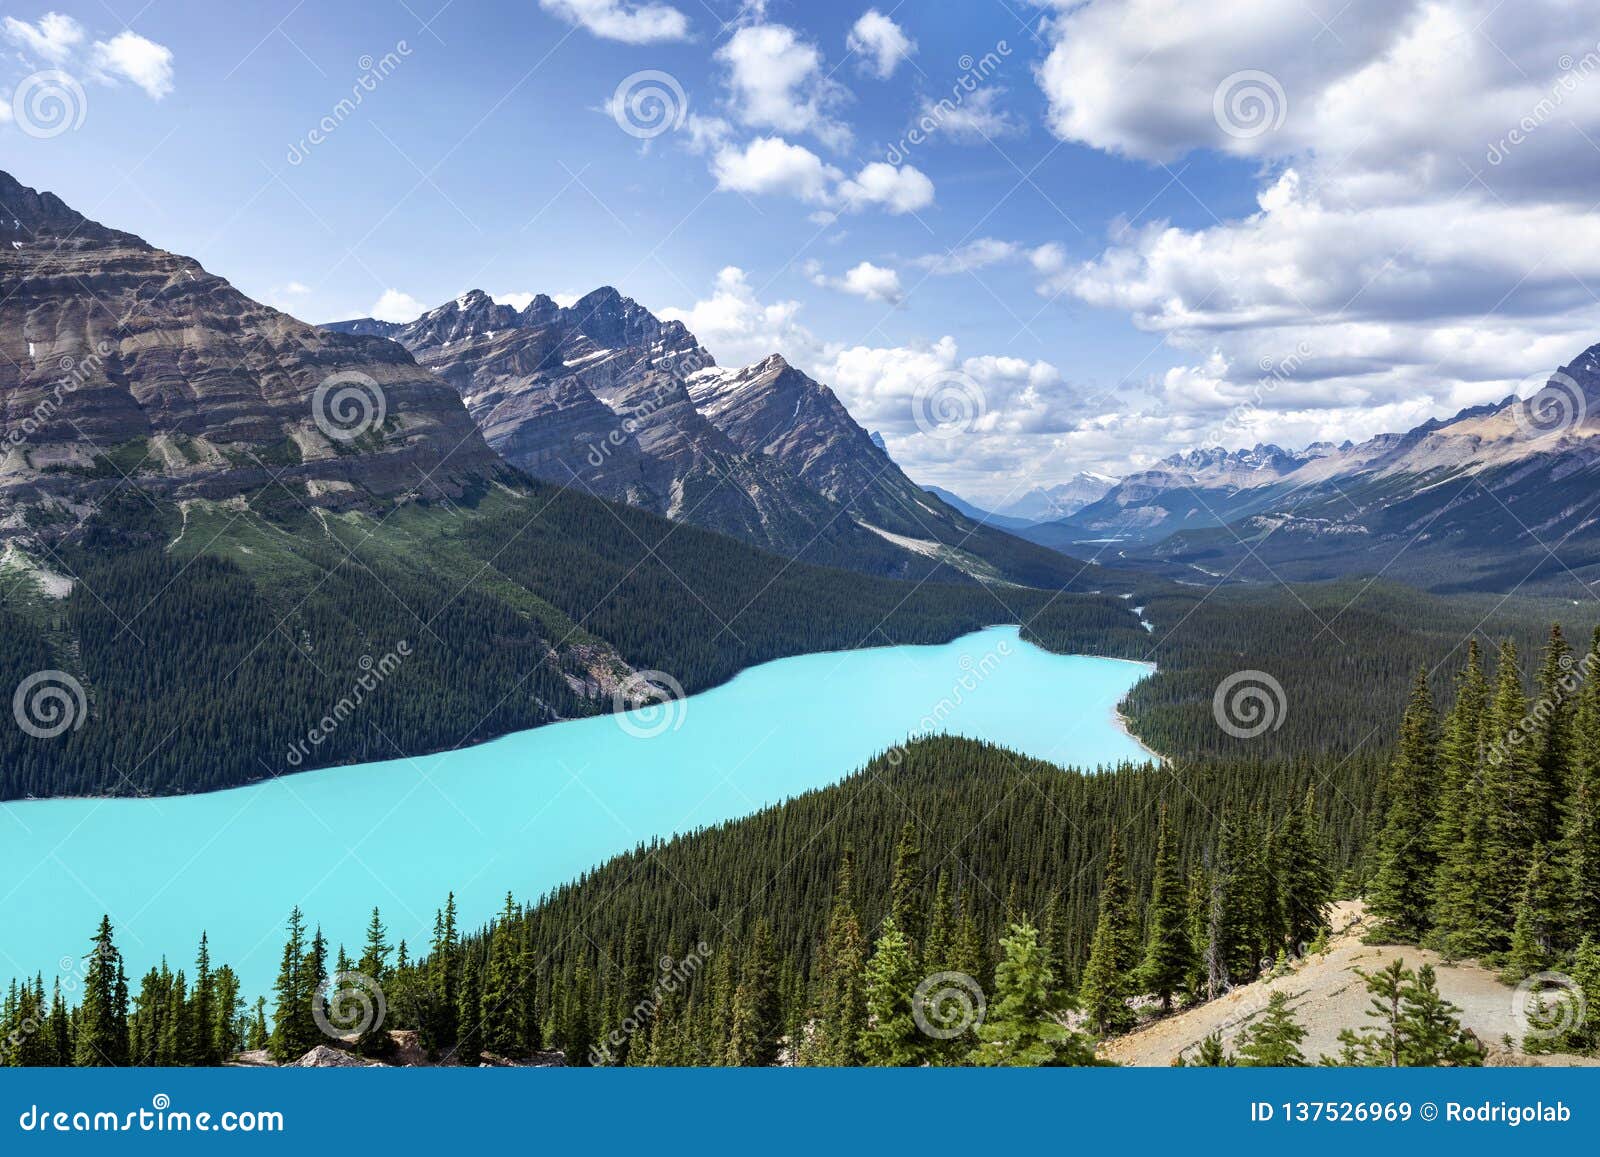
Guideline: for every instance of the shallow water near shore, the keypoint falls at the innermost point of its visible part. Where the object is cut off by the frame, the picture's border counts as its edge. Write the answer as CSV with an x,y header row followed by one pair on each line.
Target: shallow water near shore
x,y
522,813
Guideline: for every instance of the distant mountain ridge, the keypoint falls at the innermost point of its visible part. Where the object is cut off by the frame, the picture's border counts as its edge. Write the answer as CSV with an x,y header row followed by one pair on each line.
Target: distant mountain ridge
x,y
1493,497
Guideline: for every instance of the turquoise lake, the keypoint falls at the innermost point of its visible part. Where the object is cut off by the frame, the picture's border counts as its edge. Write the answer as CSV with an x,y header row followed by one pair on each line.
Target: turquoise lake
x,y
524,812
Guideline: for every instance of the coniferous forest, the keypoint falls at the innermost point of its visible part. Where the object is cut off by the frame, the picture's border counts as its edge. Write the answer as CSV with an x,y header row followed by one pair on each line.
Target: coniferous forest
x,y
864,923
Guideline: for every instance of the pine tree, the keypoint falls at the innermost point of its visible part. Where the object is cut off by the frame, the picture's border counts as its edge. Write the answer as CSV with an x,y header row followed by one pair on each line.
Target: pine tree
x,y
1433,1033
842,1011
1274,1040
1580,837
502,1016
1414,1026
1302,876
469,1007
1462,911
1401,887
905,887
1113,953
102,1034
1514,797
1024,1024
1554,723
202,1038
1383,1043
1534,936
1210,1054
757,1017
294,994
891,1036
1169,955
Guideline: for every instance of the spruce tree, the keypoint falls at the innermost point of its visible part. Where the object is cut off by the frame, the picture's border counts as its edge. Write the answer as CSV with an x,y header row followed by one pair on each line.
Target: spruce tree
x,y
1274,1040
1169,955
1463,915
905,885
1401,888
891,1037
1113,953
757,1027
1024,1025
1535,933
842,1005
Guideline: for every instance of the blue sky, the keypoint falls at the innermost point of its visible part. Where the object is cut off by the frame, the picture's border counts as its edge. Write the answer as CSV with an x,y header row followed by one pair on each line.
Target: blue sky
x,y
1099,264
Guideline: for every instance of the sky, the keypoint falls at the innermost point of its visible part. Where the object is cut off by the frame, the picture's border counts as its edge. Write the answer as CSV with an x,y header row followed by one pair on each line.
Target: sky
x,y
1020,239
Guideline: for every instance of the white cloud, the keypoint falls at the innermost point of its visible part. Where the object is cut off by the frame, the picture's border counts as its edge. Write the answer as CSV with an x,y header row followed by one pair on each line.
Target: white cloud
x,y
1422,228
707,134
899,189
129,56
873,282
773,165
645,23
59,41
974,120
397,306
974,255
54,38
881,41
739,330
775,81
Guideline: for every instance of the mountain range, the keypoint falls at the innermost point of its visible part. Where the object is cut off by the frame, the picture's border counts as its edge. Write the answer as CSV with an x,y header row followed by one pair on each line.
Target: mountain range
x,y
1497,497
604,397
